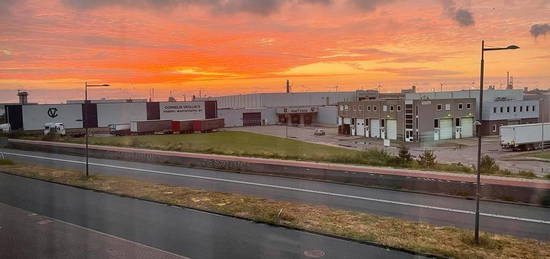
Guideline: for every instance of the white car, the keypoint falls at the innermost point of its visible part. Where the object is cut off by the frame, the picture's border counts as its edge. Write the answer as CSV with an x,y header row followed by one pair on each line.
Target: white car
x,y
319,132
54,128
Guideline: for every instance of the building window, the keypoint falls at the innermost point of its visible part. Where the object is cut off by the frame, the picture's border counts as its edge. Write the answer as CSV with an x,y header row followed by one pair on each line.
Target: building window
x,y
494,109
391,107
457,122
468,105
533,108
382,122
374,107
521,109
439,107
355,107
447,107
385,108
460,106
368,107
416,110
341,107
526,108
494,128
346,107
501,109
398,108
508,109
436,123
360,107
515,108
416,121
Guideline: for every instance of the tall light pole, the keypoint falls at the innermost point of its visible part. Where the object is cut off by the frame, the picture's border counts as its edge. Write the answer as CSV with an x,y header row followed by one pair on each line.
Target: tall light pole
x,y
85,119
478,124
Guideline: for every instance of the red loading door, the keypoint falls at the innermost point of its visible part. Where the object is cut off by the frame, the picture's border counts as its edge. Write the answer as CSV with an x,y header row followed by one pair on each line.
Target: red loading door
x,y
252,119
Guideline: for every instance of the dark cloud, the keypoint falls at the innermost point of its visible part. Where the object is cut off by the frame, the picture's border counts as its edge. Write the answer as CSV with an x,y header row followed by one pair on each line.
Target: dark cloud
x,y
540,29
6,5
462,16
369,5
260,7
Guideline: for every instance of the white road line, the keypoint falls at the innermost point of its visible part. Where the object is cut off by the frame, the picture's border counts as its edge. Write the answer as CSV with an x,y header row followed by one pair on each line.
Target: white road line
x,y
293,189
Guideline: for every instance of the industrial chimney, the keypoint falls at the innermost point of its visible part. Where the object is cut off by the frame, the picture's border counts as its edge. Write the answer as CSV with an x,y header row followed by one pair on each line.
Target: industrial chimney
x,y
287,86
22,96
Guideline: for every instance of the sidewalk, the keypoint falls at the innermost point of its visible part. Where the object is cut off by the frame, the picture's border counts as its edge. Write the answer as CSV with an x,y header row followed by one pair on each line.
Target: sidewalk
x,y
440,176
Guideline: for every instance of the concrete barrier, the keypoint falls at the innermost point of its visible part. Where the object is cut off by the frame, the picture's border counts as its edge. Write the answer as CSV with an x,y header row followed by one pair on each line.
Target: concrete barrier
x,y
521,194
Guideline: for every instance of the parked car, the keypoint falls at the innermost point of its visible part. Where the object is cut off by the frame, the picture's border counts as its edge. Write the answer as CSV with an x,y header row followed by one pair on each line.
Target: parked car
x,y
319,132
55,128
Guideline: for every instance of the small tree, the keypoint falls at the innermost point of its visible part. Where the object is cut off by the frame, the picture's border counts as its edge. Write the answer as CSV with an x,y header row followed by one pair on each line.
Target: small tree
x,y
404,155
427,159
488,165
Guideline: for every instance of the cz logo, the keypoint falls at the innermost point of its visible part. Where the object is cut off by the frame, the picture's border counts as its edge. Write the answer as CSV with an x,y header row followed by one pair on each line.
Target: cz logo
x,y
52,112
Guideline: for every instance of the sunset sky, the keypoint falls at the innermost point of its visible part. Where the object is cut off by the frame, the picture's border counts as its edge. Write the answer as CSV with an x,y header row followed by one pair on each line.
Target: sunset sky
x,y
219,47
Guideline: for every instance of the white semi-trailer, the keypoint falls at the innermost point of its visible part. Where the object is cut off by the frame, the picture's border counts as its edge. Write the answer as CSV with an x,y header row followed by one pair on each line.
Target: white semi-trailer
x,y
525,136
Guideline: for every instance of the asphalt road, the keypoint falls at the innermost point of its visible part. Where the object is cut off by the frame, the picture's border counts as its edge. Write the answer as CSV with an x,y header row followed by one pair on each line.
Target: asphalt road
x,y
24,234
180,231
518,220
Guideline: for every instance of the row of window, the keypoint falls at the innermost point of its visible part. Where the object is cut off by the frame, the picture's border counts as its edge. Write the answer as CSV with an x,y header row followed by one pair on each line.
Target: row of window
x,y
514,108
398,107
374,107
448,106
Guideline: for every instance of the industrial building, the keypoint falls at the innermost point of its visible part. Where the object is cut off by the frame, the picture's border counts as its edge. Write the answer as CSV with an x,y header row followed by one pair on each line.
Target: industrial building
x,y
96,115
432,116
303,108
408,120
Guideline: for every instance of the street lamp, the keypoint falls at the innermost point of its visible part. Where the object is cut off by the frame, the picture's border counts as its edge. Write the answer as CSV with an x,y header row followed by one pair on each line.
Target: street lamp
x,y
478,124
85,121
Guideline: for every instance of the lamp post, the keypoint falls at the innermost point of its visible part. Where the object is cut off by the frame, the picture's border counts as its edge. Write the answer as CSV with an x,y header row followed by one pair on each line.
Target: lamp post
x,y
85,119
478,124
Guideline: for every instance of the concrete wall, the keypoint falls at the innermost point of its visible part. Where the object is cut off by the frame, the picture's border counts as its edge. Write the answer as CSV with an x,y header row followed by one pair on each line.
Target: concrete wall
x,y
511,110
35,116
327,115
116,113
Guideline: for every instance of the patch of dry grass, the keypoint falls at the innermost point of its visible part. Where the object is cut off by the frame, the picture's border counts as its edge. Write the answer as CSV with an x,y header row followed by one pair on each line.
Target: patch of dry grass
x,y
415,236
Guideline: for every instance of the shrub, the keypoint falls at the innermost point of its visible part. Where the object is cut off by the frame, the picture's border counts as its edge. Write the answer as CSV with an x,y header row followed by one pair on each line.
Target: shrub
x,y
4,161
404,155
488,165
427,159
527,174
547,176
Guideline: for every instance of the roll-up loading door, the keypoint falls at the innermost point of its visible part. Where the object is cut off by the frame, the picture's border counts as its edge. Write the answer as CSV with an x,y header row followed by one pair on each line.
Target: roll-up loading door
x,y
375,128
467,127
252,119
391,129
446,129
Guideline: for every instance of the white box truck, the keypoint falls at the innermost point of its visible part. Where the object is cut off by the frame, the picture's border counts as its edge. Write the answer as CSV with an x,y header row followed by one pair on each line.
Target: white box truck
x,y
525,136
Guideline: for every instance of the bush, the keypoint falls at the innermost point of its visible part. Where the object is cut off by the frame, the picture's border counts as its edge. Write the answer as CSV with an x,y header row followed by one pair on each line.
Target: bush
x,y
4,161
527,174
488,165
404,155
427,159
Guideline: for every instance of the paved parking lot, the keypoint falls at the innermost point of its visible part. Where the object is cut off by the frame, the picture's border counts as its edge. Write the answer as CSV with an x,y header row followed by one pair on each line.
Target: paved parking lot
x,y
451,151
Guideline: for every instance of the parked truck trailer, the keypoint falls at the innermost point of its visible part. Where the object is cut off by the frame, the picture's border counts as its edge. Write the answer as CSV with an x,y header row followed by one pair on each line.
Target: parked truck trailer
x,y
208,125
120,129
150,127
525,136
183,126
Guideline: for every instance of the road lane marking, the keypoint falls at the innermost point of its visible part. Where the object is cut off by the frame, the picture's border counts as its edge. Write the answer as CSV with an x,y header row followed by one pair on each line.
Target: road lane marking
x,y
292,189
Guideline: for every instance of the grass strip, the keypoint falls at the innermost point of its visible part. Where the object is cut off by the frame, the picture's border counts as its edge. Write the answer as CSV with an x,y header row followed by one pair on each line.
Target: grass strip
x,y
410,235
247,144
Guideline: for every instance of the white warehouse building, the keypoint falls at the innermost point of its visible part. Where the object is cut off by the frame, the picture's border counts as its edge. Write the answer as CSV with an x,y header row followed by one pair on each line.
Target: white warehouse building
x,y
302,108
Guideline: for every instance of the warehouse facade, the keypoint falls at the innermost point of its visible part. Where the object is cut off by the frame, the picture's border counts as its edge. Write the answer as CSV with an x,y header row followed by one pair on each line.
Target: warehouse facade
x,y
299,109
97,115
408,120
